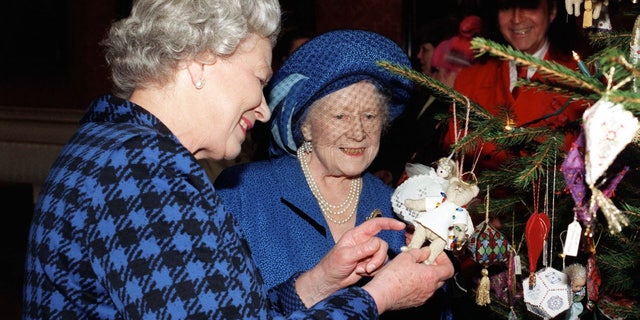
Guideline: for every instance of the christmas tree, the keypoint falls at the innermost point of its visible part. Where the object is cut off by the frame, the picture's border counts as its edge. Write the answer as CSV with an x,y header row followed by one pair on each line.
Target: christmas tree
x,y
594,187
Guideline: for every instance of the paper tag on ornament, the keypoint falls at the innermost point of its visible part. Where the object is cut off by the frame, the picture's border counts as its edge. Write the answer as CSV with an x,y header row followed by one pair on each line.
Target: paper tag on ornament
x,y
518,265
572,242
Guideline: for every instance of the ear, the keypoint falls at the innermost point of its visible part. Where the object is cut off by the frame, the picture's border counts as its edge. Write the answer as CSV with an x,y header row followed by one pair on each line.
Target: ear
x,y
306,131
196,72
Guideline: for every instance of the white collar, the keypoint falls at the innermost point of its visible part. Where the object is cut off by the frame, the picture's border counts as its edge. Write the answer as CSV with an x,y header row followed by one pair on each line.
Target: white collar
x,y
513,74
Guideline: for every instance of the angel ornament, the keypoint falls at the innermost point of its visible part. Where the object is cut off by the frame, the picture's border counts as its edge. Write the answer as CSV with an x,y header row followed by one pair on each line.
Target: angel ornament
x,y
423,181
444,220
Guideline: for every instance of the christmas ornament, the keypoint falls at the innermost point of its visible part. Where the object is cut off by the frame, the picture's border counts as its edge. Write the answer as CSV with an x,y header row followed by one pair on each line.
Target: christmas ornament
x,y
573,170
536,232
593,281
587,19
573,7
577,276
422,182
608,129
615,218
488,247
634,51
603,23
551,294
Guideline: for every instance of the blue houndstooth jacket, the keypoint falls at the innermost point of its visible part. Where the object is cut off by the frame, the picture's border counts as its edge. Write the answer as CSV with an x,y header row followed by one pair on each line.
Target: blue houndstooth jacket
x,y
127,225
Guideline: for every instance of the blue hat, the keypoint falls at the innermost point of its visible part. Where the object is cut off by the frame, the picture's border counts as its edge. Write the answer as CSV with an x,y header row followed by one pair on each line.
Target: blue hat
x,y
327,63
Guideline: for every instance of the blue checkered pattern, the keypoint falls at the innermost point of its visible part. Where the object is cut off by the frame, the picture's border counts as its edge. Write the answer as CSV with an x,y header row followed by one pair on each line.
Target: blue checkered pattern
x,y
127,225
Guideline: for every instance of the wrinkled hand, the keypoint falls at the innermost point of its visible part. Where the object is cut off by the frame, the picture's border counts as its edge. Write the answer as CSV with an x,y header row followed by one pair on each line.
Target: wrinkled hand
x,y
407,282
358,253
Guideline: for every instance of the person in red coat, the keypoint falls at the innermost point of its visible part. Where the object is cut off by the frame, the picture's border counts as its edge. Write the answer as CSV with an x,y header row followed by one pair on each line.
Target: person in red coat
x,y
531,27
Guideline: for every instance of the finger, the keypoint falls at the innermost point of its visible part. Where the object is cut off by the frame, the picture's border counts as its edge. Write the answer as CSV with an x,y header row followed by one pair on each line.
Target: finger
x,y
371,227
419,255
425,252
369,268
370,255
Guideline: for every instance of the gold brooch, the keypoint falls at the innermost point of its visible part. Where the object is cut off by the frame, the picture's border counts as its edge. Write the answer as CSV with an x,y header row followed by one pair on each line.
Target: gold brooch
x,y
375,213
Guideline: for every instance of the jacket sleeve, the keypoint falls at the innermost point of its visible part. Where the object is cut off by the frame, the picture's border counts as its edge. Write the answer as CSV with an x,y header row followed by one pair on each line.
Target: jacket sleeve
x,y
350,303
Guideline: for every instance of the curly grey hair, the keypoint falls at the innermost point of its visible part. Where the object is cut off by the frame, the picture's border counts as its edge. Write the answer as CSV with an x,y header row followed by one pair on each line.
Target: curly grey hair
x,y
148,46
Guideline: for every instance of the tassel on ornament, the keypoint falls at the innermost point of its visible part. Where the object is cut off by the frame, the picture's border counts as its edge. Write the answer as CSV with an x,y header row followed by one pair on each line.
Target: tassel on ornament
x,y
615,218
483,296
488,247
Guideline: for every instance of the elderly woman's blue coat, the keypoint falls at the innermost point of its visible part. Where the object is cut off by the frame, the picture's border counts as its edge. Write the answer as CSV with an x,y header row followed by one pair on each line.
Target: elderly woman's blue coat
x,y
282,220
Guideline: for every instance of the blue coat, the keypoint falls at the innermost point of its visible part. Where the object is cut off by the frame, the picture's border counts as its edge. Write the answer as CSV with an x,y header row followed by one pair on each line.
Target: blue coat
x,y
282,220
128,226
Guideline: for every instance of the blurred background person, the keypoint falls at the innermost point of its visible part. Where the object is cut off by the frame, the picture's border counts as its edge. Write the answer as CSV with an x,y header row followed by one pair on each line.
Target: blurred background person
x,y
428,37
415,135
535,27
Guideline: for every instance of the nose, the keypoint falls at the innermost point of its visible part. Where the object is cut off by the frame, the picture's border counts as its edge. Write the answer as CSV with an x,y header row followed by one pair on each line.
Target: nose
x,y
263,113
420,54
357,130
516,15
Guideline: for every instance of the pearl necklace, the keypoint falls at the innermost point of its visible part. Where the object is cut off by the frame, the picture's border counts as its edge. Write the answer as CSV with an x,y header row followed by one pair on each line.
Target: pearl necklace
x,y
329,210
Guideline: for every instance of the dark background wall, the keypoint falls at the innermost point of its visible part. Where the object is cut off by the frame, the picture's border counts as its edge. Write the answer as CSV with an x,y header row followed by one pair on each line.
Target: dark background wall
x,y
50,55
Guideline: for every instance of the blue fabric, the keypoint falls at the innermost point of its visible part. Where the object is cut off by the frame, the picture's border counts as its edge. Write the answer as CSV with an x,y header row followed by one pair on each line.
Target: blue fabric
x,y
128,226
282,220
327,63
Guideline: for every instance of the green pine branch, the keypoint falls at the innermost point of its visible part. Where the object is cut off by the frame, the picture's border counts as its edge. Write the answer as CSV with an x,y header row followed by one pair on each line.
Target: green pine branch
x,y
616,78
564,76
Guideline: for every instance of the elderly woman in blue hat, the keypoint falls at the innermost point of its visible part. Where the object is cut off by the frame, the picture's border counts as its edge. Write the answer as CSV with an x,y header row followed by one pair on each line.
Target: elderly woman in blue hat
x,y
330,102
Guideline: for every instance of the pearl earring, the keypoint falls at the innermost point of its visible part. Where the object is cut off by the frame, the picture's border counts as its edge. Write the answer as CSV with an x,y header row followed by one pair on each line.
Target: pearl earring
x,y
199,84
307,147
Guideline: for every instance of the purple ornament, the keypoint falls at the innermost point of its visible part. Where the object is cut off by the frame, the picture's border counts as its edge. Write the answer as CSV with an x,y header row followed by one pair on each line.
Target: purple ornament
x,y
573,170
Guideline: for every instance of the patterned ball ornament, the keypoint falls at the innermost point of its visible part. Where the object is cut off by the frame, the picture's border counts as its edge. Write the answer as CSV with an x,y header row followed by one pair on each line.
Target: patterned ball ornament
x,y
488,247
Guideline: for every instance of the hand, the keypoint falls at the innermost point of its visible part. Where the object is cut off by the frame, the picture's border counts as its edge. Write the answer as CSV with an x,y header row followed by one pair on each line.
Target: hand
x,y
358,253
408,282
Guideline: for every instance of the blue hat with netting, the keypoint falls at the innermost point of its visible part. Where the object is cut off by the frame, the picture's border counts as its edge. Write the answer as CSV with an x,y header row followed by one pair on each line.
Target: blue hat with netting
x,y
327,63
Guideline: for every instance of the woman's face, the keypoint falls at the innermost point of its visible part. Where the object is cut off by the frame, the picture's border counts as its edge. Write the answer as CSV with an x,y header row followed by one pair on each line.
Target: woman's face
x,y
233,98
424,58
526,28
344,128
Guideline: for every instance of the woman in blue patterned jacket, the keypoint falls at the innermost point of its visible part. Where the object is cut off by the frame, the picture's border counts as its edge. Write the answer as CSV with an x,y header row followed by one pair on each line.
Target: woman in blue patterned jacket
x,y
330,102
127,224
